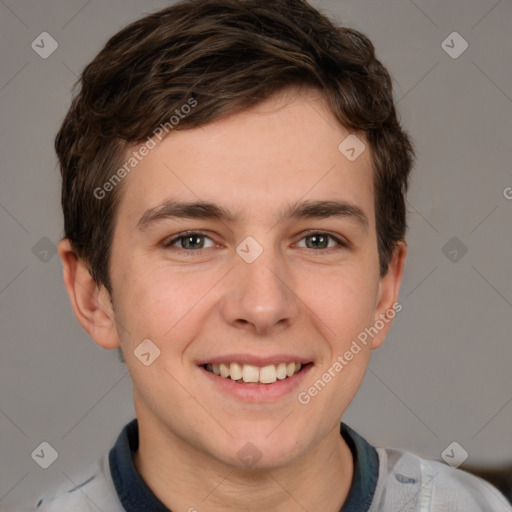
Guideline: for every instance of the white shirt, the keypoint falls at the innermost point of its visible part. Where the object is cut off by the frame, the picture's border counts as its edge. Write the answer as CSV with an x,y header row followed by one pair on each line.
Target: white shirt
x,y
385,480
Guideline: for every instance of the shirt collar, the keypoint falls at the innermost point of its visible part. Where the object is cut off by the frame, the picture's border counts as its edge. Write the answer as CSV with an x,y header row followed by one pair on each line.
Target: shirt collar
x,y
133,492
366,472
136,496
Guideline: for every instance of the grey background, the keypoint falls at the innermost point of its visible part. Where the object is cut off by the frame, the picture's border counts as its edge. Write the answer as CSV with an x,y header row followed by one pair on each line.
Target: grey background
x,y
444,373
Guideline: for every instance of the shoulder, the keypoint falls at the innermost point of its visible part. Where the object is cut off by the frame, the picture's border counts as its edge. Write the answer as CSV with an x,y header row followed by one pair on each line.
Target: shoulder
x,y
432,486
93,491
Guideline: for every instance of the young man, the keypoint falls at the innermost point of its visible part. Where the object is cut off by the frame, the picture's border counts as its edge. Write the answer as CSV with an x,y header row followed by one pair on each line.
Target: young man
x,y
234,177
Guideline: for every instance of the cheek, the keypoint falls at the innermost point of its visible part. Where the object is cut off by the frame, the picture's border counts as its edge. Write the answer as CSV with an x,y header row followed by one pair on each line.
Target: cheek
x,y
345,307
159,303
344,300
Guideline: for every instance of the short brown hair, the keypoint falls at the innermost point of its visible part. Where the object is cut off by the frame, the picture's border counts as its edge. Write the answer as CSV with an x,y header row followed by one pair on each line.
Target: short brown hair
x,y
228,55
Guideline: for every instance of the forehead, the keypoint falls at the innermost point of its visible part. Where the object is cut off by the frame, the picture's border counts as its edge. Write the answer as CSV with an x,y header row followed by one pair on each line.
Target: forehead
x,y
260,160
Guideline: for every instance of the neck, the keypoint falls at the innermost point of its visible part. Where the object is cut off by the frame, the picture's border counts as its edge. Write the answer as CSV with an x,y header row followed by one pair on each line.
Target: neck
x,y
183,478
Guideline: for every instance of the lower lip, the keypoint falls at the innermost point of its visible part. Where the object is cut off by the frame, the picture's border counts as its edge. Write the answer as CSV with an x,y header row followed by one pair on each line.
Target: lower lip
x,y
257,392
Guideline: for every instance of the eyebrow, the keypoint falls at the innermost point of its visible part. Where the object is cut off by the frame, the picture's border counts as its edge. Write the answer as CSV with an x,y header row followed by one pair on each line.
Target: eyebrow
x,y
206,210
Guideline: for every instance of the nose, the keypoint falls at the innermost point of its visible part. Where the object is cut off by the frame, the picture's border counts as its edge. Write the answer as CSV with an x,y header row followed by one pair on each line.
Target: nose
x,y
260,296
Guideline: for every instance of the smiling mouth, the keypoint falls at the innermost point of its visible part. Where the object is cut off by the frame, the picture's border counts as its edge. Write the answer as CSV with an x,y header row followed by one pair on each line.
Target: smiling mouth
x,y
248,373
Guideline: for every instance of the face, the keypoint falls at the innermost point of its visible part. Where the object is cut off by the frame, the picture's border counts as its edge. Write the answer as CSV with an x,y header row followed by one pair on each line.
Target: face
x,y
278,266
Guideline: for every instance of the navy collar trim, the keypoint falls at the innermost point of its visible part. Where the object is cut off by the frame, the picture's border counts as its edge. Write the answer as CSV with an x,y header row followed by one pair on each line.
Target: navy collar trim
x,y
136,496
366,472
133,492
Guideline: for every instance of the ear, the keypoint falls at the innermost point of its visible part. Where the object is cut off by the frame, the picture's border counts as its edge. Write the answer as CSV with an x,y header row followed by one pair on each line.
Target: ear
x,y
90,301
387,302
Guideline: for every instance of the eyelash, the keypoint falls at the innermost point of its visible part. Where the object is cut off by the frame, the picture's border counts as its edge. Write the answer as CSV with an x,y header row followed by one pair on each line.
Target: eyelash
x,y
341,244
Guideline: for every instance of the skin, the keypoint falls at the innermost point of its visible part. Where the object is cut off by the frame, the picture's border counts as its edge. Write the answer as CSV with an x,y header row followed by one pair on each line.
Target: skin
x,y
293,299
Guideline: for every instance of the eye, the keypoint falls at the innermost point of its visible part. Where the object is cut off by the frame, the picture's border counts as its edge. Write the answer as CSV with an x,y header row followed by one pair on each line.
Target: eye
x,y
194,241
319,240
189,241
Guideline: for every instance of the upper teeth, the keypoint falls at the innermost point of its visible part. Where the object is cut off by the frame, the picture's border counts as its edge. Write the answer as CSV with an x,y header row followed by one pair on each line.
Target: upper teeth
x,y
250,373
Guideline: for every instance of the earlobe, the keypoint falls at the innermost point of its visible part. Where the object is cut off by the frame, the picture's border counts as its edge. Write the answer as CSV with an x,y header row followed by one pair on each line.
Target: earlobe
x,y
389,288
90,301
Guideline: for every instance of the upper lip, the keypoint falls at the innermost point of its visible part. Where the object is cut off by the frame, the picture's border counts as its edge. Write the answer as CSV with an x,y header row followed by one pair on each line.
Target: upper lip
x,y
259,361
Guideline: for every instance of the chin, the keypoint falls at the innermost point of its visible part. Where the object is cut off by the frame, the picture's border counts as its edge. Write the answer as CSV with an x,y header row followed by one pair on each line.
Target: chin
x,y
260,451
